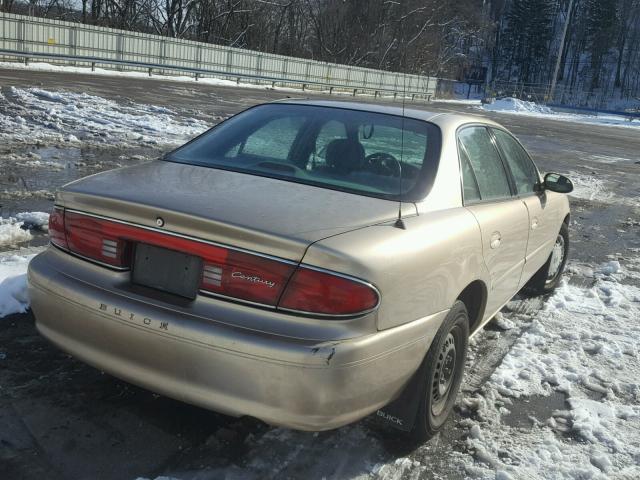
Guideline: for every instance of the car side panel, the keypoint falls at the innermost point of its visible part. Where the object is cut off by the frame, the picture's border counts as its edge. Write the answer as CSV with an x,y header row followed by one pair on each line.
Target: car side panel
x,y
504,227
546,214
419,271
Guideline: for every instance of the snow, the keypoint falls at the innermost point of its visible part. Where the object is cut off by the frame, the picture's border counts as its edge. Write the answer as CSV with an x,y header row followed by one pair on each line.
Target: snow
x,y
13,284
15,230
514,106
582,346
35,115
589,187
12,233
36,220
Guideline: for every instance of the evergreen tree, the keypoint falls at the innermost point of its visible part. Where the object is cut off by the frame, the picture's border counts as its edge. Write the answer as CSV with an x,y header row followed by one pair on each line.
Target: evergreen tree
x,y
527,36
601,24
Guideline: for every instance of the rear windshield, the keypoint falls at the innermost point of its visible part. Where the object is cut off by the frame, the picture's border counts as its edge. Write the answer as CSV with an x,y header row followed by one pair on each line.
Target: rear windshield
x,y
369,153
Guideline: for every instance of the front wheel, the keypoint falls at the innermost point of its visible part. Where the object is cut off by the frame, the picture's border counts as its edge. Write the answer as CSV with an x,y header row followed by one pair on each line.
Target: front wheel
x,y
443,369
548,277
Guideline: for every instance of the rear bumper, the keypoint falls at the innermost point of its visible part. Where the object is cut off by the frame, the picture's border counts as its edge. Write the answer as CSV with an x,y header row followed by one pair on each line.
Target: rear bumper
x,y
293,382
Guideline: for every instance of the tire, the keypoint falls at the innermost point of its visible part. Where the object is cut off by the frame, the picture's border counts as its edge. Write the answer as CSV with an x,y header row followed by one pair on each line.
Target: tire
x,y
548,277
437,398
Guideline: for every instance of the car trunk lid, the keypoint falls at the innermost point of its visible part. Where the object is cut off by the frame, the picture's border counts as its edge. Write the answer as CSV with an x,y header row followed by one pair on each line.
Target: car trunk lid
x,y
266,215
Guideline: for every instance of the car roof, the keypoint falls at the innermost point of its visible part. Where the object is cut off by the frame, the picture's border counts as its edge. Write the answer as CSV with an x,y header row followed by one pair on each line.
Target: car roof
x,y
445,120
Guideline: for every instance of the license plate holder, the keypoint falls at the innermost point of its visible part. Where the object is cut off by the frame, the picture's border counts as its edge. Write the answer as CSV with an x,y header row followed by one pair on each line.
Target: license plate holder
x,y
167,270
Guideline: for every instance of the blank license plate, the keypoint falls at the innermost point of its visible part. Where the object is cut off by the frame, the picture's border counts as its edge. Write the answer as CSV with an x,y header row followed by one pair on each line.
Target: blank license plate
x,y
167,270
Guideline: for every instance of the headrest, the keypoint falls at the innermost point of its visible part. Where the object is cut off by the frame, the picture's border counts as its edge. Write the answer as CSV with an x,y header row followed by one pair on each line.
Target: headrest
x,y
344,155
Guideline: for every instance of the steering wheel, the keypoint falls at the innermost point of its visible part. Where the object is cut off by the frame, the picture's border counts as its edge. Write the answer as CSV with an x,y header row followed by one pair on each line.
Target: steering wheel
x,y
383,163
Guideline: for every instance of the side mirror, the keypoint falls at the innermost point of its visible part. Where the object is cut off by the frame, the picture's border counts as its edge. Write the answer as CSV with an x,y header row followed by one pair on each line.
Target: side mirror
x,y
557,183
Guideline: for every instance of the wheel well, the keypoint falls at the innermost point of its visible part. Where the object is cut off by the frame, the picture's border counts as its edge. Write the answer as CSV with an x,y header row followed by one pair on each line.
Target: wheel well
x,y
474,297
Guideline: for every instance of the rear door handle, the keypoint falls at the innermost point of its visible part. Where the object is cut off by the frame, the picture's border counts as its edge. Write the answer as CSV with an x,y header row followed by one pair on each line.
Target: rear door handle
x,y
496,240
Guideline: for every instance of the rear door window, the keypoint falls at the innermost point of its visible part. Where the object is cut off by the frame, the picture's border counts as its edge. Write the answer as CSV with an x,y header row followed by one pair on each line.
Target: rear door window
x,y
486,163
471,191
522,168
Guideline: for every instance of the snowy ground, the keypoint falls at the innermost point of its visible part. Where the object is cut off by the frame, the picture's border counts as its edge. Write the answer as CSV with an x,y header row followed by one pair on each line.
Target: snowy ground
x,y
37,115
552,385
582,347
515,106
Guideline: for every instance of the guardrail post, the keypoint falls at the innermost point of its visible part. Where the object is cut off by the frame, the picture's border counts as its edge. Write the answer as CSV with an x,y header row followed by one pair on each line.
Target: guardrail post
x,y
21,35
150,71
330,90
355,90
119,49
198,60
229,59
73,31
93,66
285,64
306,73
163,54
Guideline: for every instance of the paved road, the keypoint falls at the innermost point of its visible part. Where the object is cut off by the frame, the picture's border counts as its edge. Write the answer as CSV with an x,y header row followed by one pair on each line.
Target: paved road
x,y
60,419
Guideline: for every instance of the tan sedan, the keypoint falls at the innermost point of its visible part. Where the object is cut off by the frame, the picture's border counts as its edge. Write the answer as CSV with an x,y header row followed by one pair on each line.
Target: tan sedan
x,y
307,263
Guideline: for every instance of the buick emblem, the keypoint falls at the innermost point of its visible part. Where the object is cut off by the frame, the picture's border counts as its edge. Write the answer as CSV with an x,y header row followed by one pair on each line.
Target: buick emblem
x,y
160,222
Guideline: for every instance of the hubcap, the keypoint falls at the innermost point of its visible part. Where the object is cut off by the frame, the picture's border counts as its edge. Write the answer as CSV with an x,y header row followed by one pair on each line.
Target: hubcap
x,y
444,373
557,256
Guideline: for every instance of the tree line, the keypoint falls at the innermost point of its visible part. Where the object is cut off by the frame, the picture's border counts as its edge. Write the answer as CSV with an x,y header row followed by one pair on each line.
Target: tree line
x,y
517,41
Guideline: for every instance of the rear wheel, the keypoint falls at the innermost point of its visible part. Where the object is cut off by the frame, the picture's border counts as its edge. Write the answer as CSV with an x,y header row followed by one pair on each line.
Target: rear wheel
x,y
548,277
443,368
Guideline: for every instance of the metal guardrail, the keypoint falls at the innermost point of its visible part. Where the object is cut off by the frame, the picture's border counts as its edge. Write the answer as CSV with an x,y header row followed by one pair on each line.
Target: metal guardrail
x,y
32,38
201,72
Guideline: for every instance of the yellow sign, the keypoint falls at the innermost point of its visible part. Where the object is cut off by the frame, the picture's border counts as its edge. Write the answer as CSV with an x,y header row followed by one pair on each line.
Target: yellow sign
x,y
51,41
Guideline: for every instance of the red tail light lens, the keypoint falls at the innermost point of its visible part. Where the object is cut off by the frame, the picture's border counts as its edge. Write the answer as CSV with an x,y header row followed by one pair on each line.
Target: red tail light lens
x,y
56,227
313,291
226,272
94,238
245,276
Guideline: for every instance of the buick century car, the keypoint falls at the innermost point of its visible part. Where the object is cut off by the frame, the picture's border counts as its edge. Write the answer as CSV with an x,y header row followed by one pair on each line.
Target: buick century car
x,y
307,263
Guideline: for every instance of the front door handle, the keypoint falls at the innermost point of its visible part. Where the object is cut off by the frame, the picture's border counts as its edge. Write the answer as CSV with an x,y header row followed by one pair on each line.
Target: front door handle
x,y
534,223
496,239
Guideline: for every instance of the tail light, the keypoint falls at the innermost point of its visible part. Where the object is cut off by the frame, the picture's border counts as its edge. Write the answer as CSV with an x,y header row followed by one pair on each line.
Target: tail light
x,y
56,228
95,238
226,272
245,276
313,291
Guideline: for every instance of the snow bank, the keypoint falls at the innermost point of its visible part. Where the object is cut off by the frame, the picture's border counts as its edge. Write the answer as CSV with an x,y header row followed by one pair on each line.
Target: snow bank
x,y
13,284
12,233
521,107
37,220
589,187
36,115
583,346
515,105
